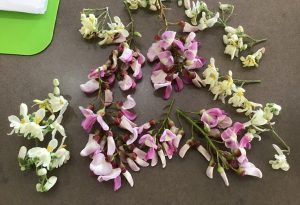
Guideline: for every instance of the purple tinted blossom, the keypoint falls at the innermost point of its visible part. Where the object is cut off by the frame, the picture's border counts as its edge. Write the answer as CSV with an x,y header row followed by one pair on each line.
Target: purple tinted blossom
x,y
216,117
90,86
91,118
229,136
176,58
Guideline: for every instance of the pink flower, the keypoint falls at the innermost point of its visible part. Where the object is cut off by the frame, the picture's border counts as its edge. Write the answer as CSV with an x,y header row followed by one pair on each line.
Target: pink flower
x,y
126,56
215,117
245,140
167,139
247,168
167,39
127,83
131,127
153,51
91,118
128,104
91,147
90,86
188,27
149,141
103,169
229,136
166,58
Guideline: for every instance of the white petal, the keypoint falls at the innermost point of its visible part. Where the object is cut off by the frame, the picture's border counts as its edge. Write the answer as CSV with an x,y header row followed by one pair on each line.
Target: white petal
x,y
132,165
204,152
128,177
183,150
162,157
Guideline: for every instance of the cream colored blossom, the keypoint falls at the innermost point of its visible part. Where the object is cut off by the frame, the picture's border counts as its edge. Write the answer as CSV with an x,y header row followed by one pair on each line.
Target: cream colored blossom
x,y
252,60
89,26
280,161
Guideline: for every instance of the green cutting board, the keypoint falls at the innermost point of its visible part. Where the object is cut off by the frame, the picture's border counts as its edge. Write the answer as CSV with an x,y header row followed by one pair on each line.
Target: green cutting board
x,y
27,34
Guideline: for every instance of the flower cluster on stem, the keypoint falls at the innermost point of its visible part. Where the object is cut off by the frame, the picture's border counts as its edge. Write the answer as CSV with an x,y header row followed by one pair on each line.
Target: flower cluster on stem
x,y
38,126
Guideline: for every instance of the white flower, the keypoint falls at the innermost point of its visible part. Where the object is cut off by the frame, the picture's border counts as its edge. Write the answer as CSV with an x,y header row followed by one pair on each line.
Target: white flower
x,y
135,4
231,30
89,26
238,98
50,183
116,34
16,123
60,157
33,129
280,161
248,107
208,23
57,103
233,42
270,110
41,156
193,12
56,126
252,60
211,74
225,7
257,120
224,88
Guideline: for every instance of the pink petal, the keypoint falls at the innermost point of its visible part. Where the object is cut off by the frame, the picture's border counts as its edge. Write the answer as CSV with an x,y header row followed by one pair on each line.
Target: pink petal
x,y
88,122
129,103
86,112
167,39
108,97
204,152
251,170
140,153
117,183
99,166
111,146
120,38
133,136
90,86
189,39
128,177
183,150
126,56
91,146
114,174
132,165
126,83
179,45
141,162
226,122
189,28
137,69
128,114
154,159
153,51
179,84
94,74
162,157
167,135
111,79
102,123
168,92
166,58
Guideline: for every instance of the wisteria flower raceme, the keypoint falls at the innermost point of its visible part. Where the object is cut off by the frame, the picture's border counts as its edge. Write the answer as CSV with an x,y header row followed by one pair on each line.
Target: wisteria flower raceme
x,y
177,62
47,119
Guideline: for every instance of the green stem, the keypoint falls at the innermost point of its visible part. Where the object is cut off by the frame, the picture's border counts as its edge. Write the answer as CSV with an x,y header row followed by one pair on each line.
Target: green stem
x,y
167,117
276,135
187,118
246,81
131,23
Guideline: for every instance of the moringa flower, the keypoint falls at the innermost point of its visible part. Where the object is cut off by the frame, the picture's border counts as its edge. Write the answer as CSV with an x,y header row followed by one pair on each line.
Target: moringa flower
x,y
280,161
89,26
253,59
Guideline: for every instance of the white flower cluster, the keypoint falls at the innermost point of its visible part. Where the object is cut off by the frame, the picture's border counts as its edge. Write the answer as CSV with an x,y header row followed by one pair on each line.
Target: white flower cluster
x,y
200,15
236,40
47,119
227,88
153,5
93,27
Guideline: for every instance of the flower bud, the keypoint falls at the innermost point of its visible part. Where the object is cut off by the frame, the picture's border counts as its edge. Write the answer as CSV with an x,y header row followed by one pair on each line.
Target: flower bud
x,y
56,82
22,152
56,91
42,172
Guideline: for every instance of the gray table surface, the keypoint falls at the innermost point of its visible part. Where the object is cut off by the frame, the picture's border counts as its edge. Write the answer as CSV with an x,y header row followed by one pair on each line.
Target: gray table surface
x,y
183,181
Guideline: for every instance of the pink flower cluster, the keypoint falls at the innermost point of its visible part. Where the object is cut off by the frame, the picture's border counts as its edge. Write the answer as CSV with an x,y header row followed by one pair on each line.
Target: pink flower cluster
x,y
220,127
176,60
116,143
124,64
